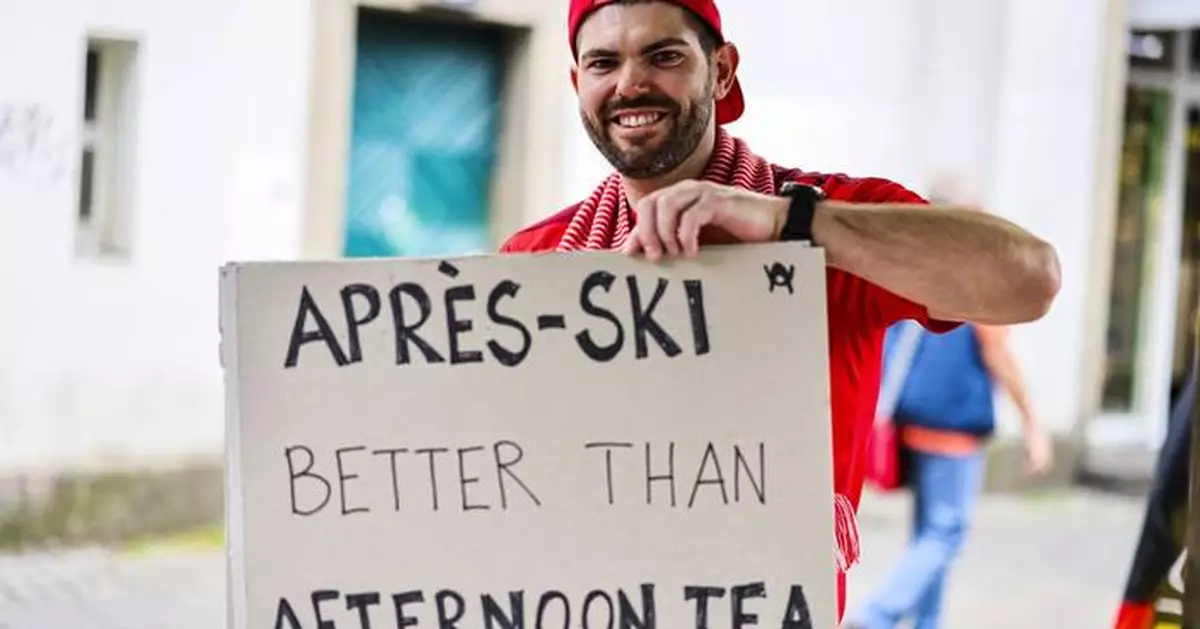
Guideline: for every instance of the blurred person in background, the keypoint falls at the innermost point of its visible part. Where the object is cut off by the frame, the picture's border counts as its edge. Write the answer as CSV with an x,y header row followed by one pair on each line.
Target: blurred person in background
x,y
945,414
1164,526
656,82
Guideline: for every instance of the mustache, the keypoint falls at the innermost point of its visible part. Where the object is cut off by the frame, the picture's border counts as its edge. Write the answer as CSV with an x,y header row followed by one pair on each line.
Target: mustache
x,y
646,101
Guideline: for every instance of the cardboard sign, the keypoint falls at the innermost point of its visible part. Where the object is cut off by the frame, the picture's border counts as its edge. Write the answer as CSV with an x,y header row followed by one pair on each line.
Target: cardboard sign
x,y
536,441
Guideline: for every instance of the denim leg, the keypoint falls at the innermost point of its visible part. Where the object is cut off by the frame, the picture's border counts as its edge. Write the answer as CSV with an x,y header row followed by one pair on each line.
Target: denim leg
x,y
929,609
961,491
944,488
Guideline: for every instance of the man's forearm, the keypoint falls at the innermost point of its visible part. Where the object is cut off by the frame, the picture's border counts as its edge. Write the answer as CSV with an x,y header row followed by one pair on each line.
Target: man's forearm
x,y
961,264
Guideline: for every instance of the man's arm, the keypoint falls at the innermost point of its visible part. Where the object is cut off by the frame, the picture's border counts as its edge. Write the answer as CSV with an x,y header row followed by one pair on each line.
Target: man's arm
x,y
960,263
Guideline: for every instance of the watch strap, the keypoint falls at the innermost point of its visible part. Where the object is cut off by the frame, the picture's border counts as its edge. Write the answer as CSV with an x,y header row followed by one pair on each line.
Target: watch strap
x,y
803,205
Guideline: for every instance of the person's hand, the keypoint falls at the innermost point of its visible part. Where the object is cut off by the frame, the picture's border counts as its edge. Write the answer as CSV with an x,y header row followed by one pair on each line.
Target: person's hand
x,y
1039,451
675,220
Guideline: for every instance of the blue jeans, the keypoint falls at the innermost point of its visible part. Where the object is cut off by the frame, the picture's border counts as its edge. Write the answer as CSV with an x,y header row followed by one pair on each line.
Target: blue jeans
x,y
944,492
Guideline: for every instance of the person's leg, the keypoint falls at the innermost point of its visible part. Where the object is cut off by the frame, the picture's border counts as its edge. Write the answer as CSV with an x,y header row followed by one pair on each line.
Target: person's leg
x,y
966,488
1159,543
935,482
928,613
875,612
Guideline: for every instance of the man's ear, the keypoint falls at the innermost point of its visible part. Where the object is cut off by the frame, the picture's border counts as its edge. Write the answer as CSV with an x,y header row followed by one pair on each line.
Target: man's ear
x,y
575,77
726,59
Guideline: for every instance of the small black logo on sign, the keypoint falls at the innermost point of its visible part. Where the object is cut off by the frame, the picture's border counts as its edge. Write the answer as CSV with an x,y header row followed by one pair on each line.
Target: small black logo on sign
x,y
779,276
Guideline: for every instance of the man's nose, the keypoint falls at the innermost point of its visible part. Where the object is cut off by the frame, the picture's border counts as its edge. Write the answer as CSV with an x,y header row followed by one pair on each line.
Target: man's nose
x,y
633,80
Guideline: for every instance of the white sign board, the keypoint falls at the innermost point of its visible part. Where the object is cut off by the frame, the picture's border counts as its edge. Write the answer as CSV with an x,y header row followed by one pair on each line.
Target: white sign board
x,y
537,441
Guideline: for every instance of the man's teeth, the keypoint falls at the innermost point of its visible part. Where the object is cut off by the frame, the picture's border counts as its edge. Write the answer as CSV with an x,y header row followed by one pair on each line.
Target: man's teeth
x,y
639,120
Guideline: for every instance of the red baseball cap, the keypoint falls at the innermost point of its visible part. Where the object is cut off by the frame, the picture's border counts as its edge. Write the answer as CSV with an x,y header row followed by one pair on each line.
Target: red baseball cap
x,y
729,108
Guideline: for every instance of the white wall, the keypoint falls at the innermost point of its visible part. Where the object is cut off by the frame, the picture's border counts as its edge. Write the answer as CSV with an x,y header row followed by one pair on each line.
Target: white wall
x,y
1045,176
1164,13
268,90
120,358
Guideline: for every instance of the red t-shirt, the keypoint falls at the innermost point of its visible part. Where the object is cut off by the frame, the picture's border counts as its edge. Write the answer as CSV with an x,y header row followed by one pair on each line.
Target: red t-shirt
x,y
859,314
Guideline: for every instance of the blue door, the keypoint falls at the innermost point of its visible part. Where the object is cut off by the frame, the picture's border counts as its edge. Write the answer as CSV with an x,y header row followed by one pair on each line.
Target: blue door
x,y
426,112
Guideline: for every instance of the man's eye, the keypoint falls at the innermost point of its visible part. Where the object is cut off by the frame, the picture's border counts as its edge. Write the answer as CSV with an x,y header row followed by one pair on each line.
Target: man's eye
x,y
667,57
601,64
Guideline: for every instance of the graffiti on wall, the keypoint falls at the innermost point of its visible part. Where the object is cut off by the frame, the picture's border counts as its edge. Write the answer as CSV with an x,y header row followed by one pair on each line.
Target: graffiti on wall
x,y
34,145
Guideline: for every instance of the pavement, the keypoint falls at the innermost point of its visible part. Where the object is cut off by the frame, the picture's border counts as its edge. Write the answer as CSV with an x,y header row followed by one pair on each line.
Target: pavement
x,y
1031,562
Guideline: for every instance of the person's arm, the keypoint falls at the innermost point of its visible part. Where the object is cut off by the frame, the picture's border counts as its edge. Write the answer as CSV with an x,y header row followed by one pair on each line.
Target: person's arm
x,y
1002,365
960,263
993,346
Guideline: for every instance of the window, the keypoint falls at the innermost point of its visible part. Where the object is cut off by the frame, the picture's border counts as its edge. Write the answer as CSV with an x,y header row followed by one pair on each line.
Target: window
x,y
1195,50
1154,50
1147,119
106,154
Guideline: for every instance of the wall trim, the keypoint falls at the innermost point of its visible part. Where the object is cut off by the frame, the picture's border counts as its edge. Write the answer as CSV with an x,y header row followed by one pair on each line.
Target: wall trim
x,y
1109,133
529,173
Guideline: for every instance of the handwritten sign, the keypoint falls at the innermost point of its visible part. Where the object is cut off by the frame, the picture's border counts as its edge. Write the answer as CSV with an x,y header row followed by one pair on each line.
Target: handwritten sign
x,y
538,441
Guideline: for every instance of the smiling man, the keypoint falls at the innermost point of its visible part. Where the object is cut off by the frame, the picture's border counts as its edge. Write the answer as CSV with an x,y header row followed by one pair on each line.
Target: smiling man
x,y
656,80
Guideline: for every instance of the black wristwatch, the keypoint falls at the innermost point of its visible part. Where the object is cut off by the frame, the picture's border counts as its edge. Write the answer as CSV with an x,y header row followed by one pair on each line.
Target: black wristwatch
x,y
804,201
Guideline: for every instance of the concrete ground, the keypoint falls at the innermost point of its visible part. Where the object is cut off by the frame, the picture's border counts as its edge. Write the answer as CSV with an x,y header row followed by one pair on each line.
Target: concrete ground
x,y
1032,562
1049,561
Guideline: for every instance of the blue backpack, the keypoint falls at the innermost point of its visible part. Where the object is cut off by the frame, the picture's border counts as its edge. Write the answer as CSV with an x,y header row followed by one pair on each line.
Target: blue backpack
x,y
947,386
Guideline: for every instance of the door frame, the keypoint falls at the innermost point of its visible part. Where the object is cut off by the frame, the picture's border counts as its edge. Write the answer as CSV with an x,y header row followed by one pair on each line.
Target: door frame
x,y
528,178
1146,422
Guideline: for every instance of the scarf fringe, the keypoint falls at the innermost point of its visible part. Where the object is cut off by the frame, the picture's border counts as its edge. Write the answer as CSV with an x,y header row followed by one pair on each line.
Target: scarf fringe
x,y
605,219
846,530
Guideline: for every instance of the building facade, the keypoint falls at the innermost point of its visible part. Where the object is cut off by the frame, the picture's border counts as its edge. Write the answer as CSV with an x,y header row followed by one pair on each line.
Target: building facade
x,y
1151,292
144,143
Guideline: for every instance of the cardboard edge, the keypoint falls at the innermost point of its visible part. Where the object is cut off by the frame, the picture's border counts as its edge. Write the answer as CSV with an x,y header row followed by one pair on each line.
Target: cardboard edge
x,y
236,595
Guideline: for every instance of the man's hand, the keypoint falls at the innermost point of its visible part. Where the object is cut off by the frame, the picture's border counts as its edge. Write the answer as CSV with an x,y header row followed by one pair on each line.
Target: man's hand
x,y
675,220
1039,450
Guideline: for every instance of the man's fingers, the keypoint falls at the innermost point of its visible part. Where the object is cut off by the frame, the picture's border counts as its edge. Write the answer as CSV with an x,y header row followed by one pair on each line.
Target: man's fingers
x,y
647,229
671,206
690,225
632,245
668,224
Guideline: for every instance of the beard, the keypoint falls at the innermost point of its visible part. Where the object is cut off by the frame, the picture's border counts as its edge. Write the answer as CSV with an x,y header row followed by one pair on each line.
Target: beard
x,y
687,125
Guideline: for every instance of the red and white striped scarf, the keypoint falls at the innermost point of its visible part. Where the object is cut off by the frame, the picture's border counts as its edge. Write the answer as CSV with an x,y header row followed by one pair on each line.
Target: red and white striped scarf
x,y
605,219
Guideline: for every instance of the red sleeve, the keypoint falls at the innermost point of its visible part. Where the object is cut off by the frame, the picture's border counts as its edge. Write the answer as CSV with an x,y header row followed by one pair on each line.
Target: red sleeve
x,y
881,307
510,245
541,236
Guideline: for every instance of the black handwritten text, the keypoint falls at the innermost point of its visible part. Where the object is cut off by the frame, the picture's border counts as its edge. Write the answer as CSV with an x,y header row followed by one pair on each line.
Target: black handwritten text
x,y
480,477
744,606
445,326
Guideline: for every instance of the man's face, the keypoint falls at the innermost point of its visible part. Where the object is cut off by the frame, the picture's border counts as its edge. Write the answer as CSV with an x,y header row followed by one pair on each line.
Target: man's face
x,y
646,90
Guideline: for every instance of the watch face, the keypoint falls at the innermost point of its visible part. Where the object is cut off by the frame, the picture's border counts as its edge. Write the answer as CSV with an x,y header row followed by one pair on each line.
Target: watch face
x,y
791,187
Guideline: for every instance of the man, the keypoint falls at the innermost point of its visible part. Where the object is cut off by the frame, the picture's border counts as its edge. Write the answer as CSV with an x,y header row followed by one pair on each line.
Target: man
x,y
656,79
